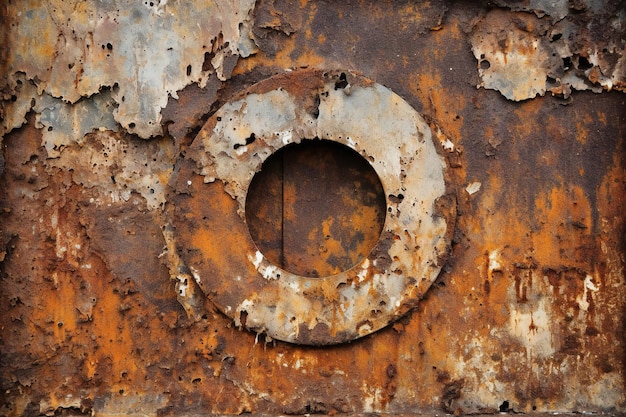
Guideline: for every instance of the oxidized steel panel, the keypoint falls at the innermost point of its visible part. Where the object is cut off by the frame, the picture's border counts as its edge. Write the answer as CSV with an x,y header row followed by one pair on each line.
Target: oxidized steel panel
x,y
526,99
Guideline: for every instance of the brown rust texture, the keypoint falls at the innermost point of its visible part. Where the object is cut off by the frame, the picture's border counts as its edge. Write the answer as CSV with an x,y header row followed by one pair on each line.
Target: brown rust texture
x,y
348,302
528,314
316,208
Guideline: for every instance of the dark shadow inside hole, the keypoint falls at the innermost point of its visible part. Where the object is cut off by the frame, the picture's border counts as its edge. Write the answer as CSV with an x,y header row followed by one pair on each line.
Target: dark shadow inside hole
x,y
316,208
504,407
583,63
342,82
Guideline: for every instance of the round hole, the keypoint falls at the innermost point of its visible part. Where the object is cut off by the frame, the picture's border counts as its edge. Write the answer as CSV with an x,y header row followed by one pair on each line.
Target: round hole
x,y
316,208
213,213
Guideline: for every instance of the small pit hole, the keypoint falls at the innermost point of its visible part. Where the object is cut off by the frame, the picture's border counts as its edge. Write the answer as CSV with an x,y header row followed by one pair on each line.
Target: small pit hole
x,y
250,139
504,407
342,82
583,63
567,63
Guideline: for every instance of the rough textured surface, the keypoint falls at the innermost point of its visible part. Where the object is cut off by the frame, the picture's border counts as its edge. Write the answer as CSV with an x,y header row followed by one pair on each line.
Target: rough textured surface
x,y
528,314
143,51
261,295
522,55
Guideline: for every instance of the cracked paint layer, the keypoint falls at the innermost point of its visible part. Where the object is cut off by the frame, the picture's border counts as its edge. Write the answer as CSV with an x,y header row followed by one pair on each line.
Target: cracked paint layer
x,y
523,56
143,51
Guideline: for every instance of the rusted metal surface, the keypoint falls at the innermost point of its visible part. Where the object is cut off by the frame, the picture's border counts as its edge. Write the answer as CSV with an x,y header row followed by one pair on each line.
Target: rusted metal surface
x,y
100,312
320,190
266,297
142,51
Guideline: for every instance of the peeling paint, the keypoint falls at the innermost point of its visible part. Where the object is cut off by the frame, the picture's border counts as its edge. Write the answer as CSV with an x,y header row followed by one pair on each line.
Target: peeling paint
x,y
143,51
64,124
116,167
103,313
522,57
588,286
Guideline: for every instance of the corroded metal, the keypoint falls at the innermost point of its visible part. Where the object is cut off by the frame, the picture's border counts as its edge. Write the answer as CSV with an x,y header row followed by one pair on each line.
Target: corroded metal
x,y
522,56
143,51
101,315
263,296
320,190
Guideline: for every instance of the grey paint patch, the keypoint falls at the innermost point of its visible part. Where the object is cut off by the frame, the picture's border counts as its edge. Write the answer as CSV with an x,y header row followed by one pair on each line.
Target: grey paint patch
x,y
65,124
522,56
144,51
557,9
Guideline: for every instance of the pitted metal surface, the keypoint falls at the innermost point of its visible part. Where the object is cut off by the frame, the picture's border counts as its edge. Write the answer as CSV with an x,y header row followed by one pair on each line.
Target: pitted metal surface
x,y
259,294
100,310
523,55
143,52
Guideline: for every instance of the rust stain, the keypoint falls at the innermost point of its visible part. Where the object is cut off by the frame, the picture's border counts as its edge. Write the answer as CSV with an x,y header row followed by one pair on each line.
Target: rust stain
x,y
363,292
101,312
320,184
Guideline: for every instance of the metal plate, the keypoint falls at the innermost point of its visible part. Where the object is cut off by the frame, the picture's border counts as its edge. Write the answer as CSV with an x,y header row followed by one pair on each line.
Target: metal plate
x,y
207,208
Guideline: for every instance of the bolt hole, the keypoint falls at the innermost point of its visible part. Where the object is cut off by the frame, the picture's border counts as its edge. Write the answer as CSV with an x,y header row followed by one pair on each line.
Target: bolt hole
x,y
484,64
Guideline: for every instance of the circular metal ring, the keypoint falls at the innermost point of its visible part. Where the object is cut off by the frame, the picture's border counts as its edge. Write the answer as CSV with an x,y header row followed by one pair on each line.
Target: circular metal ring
x,y
208,203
